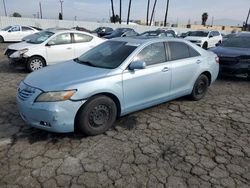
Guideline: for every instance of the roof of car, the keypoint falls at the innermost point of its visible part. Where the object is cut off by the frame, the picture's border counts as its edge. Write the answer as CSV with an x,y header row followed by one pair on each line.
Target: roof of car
x,y
141,40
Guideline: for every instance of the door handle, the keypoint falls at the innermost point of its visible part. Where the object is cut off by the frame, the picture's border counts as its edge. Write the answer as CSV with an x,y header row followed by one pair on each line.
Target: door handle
x,y
198,61
165,69
69,48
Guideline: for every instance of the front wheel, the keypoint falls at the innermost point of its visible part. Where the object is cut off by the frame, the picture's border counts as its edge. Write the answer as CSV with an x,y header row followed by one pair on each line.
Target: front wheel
x,y
205,45
35,63
200,87
97,115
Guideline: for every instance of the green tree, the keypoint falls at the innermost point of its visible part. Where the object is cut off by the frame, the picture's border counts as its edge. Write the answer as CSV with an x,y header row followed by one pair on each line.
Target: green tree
x,y
204,18
60,16
114,19
113,12
16,14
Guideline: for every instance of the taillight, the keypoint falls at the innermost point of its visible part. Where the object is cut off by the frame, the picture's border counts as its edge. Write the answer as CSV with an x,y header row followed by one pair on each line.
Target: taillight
x,y
217,60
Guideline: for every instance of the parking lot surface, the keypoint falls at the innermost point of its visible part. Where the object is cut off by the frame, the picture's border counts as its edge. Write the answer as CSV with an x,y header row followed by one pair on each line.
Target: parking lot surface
x,y
177,144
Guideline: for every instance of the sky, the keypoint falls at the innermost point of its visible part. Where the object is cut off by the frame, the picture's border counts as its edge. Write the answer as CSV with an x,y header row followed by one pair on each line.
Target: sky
x,y
231,11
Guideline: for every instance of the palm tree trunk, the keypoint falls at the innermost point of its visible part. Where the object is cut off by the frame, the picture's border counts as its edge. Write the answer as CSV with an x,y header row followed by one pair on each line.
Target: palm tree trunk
x,y
120,21
153,11
166,14
129,6
113,12
147,12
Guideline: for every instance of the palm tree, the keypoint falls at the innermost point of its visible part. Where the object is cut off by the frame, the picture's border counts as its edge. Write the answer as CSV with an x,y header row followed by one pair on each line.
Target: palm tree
x,y
120,21
113,12
148,12
204,18
129,6
153,11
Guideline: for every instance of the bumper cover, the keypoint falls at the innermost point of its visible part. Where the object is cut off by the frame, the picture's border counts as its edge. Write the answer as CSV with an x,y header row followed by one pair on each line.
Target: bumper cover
x,y
50,116
238,68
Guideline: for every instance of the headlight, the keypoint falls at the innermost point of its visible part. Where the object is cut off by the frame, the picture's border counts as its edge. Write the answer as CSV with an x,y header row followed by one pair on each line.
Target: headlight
x,y
23,51
55,96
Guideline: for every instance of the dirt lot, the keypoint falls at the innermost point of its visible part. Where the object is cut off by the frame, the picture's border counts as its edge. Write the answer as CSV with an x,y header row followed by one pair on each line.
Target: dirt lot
x,y
177,144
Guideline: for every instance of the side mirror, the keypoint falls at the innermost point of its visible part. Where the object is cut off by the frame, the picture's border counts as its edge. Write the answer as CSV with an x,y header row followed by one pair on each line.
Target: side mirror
x,y
9,31
210,36
137,65
50,43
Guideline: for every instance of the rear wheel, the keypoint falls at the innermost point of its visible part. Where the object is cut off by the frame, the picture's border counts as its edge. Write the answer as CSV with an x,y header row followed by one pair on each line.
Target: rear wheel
x,y
1,39
97,115
35,63
200,87
205,46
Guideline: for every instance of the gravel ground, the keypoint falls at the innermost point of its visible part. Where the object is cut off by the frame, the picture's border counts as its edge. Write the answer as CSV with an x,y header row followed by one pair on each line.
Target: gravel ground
x,y
177,144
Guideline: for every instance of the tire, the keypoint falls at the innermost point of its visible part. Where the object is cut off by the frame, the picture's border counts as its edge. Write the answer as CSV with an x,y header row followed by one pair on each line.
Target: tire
x,y
205,45
1,39
200,87
96,116
35,63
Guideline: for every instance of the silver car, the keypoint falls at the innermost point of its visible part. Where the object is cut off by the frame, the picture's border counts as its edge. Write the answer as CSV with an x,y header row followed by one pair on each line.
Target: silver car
x,y
117,77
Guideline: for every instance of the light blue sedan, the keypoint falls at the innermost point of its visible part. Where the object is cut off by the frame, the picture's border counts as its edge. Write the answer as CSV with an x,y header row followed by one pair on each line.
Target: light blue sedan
x,y
117,77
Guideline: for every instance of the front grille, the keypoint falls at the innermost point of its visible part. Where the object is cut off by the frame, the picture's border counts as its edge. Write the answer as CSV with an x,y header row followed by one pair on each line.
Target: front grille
x,y
9,52
228,60
25,92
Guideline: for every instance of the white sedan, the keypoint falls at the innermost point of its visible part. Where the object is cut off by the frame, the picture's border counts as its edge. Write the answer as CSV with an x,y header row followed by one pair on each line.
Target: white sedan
x,y
16,33
204,39
49,47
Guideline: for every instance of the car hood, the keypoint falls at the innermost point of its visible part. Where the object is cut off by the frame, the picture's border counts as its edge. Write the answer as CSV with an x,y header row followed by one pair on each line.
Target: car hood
x,y
21,45
64,76
194,38
230,52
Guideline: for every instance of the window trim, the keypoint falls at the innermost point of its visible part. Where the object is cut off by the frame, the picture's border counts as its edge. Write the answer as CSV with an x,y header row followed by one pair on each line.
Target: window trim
x,y
30,29
170,55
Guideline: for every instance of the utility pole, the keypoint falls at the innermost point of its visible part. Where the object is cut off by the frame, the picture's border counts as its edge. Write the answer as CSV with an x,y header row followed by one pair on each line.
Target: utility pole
x,y
153,11
247,17
120,20
147,12
61,2
4,8
166,14
40,8
129,7
212,21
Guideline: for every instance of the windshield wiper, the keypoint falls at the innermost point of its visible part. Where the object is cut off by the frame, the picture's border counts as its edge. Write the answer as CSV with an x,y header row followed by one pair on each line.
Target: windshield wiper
x,y
84,62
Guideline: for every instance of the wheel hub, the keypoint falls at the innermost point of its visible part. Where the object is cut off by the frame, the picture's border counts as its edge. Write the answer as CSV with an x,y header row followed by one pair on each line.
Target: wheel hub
x,y
36,64
99,115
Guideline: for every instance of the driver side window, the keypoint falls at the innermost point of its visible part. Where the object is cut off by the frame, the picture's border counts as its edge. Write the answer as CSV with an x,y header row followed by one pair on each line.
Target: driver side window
x,y
61,39
152,54
15,28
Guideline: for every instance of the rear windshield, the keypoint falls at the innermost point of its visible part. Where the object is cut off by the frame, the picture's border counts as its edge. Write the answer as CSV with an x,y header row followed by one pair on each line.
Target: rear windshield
x,y
108,55
237,42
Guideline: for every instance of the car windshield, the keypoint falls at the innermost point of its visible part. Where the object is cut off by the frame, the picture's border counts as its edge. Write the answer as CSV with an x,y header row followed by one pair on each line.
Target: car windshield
x,y
198,34
108,55
40,37
237,42
6,28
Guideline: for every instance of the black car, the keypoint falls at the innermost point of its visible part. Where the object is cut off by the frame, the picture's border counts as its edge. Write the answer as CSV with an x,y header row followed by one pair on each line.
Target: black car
x,y
158,33
234,55
121,32
103,31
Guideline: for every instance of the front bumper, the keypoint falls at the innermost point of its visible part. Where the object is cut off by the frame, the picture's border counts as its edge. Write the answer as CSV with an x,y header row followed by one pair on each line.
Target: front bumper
x,y
238,68
50,116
